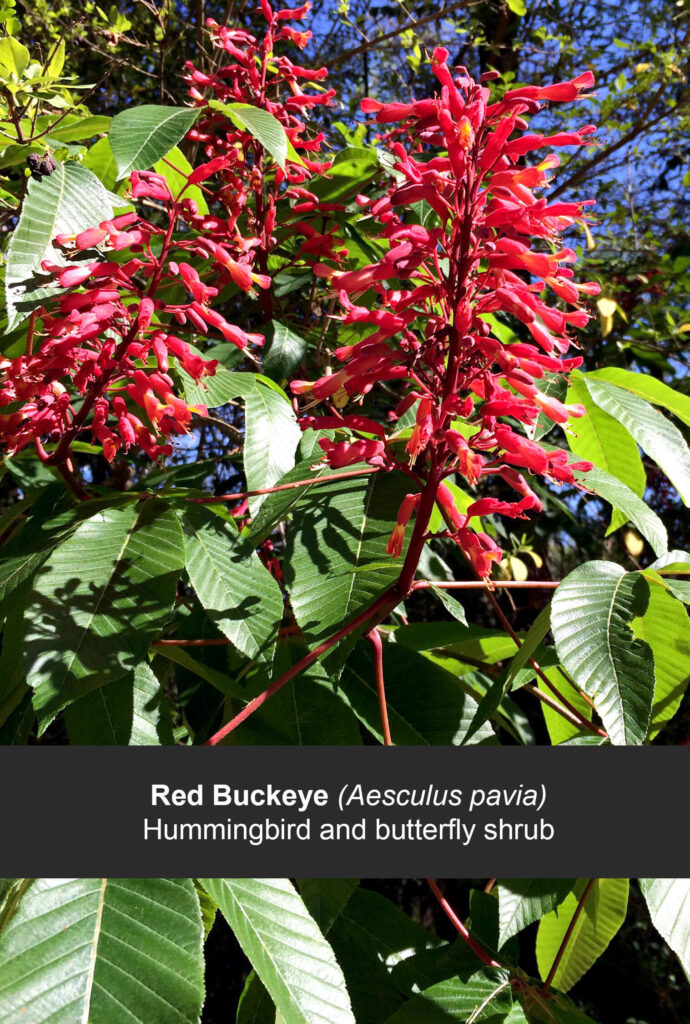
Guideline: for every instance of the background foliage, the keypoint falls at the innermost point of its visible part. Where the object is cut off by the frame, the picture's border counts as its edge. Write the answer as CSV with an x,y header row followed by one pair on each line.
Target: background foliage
x,y
267,950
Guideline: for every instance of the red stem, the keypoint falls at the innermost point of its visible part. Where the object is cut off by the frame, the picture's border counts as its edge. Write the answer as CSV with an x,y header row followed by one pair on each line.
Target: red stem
x,y
488,584
384,604
374,638
457,923
215,499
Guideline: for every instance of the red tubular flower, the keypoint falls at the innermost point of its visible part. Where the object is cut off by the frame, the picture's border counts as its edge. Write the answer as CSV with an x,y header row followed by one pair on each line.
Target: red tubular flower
x,y
495,242
410,504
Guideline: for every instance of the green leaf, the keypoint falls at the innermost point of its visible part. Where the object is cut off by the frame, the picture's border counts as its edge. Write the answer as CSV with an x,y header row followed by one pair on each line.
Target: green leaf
x,y
68,201
379,949
326,898
101,161
484,997
335,530
140,136
255,1005
475,642
560,729
521,901
599,438
665,627
415,718
675,562
76,129
131,711
284,353
176,169
451,604
13,56
602,915
307,711
98,601
631,507
591,614
352,168
518,7
646,386
555,386
534,637
234,587
98,949
288,952
271,438
278,505
668,900
271,434
264,127
656,435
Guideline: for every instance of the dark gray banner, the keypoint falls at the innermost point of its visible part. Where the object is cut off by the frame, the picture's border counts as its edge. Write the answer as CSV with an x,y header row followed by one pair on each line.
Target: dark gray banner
x,y
345,811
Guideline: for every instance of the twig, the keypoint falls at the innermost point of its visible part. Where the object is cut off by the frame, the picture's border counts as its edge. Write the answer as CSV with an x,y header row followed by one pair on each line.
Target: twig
x,y
240,495
488,585
374,638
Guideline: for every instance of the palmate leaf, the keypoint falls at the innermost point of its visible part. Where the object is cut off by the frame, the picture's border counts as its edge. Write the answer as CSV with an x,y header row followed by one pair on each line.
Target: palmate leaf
x,y
668,900
591,614
288,952
140,136
233,585
98,601
96,950
524,900
484,997
656,435
68,201
599,438
603,914
336,530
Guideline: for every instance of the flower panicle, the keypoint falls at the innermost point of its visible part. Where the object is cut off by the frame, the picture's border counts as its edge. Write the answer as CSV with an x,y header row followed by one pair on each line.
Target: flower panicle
x,y
438,300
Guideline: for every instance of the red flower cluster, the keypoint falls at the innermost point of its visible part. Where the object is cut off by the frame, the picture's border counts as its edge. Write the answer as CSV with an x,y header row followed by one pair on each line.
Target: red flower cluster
x,y
274,83
109,344
491,246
